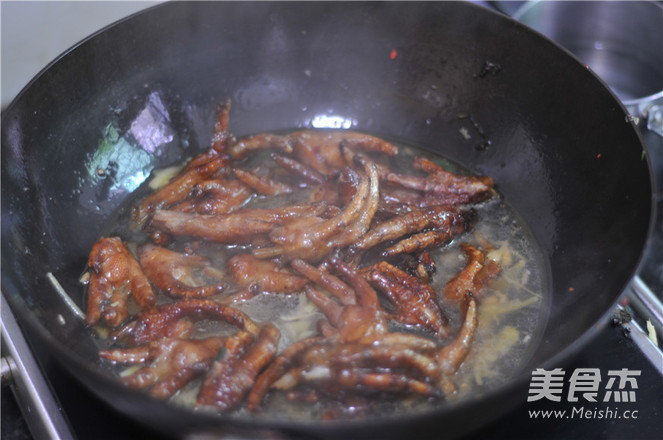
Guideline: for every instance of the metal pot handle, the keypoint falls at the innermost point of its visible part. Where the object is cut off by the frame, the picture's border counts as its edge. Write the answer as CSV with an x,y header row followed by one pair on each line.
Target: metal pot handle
x,y
650,109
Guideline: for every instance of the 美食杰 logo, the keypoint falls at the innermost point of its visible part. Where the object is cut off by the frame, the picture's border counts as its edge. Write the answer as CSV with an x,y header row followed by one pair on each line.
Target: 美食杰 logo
x,y
584,387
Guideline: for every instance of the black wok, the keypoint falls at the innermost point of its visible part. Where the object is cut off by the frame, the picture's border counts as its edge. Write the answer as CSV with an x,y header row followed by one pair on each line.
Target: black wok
x,y
555,139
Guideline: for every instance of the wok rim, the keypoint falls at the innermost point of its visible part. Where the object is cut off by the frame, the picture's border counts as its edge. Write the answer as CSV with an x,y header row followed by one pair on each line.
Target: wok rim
x,y
74,361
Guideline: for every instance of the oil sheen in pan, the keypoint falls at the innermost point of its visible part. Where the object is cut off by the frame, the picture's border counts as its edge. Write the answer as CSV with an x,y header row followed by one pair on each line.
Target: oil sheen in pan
x,y
510,312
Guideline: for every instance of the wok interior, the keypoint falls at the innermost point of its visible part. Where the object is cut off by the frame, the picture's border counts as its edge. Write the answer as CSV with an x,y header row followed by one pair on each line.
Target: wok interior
x,y
559,147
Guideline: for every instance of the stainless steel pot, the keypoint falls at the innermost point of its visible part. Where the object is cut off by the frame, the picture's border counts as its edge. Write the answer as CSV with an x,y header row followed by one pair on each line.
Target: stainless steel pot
x,y
621,41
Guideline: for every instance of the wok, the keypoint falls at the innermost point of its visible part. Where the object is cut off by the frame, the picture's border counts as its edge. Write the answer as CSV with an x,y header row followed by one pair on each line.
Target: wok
x,y
141,94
